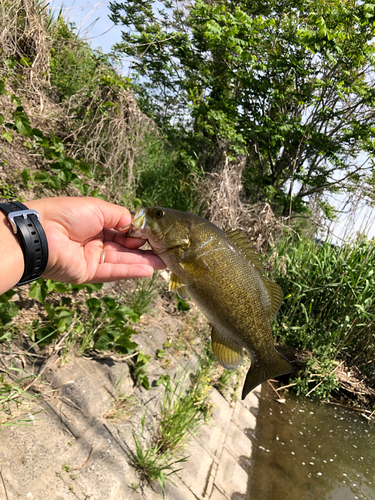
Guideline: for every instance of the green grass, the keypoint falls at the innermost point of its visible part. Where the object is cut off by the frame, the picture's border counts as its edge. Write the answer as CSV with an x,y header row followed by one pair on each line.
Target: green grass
x,y
184,408
151,463
328,305
15,402
144,294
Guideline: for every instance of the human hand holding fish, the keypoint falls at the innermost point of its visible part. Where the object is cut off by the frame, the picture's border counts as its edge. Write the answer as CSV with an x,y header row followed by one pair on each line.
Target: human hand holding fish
x,y
223,275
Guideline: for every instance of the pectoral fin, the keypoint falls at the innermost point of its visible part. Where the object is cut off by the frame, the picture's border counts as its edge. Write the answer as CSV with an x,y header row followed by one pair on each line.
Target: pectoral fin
x,y
176,284
193,264
228,354
258,374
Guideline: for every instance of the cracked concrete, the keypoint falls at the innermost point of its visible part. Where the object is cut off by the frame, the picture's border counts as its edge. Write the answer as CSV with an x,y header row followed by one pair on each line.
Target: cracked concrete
x,y
74,450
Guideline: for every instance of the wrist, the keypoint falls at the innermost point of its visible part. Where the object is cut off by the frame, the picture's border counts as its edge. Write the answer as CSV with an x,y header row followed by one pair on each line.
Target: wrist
x,y
31,237
11,256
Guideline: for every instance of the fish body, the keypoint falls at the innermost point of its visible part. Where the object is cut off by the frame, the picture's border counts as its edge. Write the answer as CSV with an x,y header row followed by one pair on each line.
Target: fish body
x,y
223,275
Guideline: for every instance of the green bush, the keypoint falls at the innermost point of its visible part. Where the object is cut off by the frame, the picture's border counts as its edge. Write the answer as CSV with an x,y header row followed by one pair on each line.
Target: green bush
x,y
328,304
76,67
165,180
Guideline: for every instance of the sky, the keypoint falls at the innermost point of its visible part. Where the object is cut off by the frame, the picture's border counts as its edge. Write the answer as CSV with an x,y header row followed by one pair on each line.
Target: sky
x,y
92,21
94,26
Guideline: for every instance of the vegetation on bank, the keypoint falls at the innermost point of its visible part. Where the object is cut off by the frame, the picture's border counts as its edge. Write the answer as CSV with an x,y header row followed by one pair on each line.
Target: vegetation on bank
x,y
328,309
284,87
70,124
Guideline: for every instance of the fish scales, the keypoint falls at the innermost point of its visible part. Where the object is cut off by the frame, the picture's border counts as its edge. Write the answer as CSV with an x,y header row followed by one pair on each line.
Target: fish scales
x,y
215,270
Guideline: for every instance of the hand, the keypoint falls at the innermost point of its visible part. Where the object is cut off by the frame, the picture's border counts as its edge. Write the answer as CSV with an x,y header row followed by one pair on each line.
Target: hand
x,y
80,231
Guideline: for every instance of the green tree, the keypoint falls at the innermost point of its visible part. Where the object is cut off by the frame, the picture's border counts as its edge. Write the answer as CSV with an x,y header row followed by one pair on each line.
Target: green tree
x,y
286,85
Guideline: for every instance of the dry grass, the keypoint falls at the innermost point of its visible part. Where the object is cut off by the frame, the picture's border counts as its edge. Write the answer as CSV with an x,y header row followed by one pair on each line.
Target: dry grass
x,y
114,141
24,34
110,132
227,207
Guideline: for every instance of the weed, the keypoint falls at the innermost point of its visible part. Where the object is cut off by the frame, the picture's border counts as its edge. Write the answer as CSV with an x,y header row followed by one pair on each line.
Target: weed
x,y
122,407
328,307
183,409
151,463
8,310
228,381
182,305
140,372
101,324
144,294
14,401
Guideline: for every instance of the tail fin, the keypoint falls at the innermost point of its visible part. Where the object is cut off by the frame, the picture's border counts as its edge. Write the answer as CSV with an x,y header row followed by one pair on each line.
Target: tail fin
x,y
256,375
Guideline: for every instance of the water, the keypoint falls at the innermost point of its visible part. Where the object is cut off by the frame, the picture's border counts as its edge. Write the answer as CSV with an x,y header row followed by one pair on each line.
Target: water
x,y
309,450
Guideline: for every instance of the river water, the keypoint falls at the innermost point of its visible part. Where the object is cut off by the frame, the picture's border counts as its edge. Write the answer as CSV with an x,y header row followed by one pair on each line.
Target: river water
x,y
309,450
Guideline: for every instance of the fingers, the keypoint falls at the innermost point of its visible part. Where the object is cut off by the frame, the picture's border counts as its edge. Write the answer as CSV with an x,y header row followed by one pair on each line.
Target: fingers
x,y
122,239
115,216
132,257
113,272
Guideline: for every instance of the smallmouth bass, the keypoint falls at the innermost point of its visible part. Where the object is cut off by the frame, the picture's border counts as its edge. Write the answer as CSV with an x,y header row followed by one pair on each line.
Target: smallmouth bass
x,y
223,275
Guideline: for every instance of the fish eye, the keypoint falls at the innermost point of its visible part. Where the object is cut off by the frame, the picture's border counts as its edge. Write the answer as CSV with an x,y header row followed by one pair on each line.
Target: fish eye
x,y
159,214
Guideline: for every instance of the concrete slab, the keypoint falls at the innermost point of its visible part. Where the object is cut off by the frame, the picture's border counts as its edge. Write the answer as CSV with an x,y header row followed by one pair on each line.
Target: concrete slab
x,y
197,470
230,476
243,418
26,452
211,437
217,495
176,491
237,441
75,453
222,412
251,401
157,337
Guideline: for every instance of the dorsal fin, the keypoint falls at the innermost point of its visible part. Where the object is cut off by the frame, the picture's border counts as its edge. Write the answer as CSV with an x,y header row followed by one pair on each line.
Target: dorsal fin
x,y
274,291
242,243
276,297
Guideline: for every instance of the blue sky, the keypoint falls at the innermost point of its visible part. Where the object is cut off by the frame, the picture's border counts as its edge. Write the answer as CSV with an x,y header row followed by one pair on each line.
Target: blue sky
x,y
92,21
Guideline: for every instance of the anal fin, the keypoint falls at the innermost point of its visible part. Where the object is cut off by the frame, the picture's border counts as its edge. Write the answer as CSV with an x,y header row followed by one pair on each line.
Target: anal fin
x,y
228,354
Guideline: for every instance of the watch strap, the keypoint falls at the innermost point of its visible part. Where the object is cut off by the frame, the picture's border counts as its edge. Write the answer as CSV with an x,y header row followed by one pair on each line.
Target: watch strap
x,y
26,226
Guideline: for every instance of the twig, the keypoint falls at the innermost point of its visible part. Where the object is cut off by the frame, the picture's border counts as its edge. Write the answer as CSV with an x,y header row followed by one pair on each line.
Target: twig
x,y
285,386
290,385
41,371
85,463
2,479
320,383
275,390
25,353
350,407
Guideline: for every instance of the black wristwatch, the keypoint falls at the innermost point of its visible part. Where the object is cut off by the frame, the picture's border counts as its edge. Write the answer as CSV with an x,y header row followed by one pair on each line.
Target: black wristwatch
x,y
30,233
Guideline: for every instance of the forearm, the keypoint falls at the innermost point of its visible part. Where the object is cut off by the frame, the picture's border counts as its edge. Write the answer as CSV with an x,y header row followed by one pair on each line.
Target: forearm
x,y
11,256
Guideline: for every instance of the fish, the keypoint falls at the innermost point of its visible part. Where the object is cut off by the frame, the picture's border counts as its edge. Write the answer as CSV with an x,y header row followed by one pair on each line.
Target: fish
x,y
222,273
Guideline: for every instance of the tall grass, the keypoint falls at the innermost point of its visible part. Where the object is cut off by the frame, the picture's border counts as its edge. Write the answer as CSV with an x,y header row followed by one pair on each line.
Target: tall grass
x,y
329,304
182,409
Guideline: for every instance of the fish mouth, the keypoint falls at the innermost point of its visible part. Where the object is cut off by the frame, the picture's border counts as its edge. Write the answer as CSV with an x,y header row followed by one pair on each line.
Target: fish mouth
x,y
137,226
139,220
